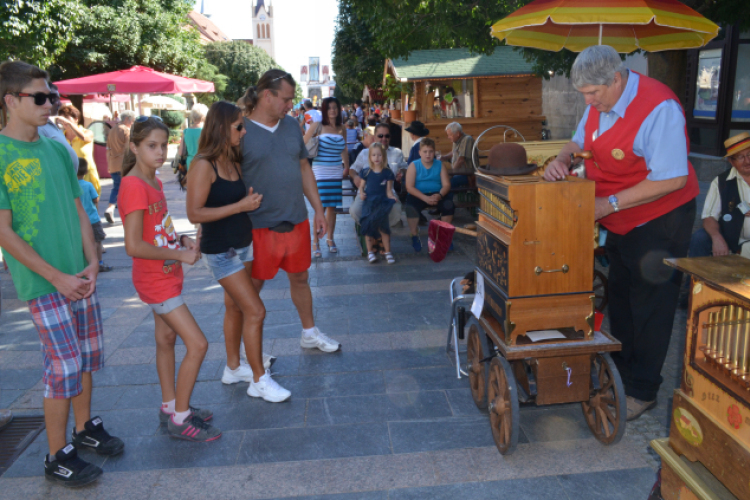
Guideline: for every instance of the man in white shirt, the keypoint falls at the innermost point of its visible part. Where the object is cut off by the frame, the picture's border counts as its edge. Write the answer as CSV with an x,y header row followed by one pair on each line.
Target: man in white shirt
x,y
726,213
311,115
395,162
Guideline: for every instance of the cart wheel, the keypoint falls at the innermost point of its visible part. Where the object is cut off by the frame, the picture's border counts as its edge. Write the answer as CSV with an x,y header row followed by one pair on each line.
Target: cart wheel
x,y
601,291
606,410
475,353
503,399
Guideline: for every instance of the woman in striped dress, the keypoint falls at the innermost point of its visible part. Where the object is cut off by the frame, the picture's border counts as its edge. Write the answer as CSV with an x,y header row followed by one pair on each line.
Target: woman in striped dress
x,y
330,166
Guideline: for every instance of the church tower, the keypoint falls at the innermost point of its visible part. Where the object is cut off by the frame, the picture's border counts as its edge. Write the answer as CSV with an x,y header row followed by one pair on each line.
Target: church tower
x,y
264,33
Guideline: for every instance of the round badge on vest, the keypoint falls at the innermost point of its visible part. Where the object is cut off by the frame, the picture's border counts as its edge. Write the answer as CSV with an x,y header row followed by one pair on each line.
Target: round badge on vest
x,y
727,217
618,154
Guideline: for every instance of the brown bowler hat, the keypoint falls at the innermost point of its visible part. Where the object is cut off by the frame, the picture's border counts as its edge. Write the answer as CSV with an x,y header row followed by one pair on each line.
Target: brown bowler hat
x,y
737,143
508,158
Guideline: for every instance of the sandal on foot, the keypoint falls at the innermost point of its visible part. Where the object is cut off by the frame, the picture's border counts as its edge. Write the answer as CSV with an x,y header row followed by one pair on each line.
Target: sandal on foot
x,y
389,258
317,253
331,248
372,257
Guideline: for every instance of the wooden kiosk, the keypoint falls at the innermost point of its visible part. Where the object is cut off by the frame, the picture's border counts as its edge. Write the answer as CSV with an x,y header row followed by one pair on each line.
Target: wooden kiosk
x,y
711,409
499,88
535,258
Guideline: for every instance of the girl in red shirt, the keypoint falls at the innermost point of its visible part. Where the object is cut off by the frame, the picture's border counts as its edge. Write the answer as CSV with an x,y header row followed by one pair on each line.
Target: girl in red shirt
x,y
158,254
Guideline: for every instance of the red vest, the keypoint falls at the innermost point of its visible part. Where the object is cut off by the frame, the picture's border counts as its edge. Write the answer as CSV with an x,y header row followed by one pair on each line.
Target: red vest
x,y
616,167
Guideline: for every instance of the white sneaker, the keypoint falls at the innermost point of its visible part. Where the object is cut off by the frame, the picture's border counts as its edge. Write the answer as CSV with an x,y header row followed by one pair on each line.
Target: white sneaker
x,y
319,341
268,389
268,360
242,373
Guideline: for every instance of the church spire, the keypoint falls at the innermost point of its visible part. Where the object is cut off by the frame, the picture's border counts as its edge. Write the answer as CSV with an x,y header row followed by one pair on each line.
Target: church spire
x,y
258,6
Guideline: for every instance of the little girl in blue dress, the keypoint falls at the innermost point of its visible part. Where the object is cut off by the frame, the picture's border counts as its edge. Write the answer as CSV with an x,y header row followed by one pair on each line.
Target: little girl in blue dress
x,y
378,197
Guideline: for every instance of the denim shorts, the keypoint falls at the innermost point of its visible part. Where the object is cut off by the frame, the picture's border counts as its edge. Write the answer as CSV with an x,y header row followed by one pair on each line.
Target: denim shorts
x,y
168,305
229,262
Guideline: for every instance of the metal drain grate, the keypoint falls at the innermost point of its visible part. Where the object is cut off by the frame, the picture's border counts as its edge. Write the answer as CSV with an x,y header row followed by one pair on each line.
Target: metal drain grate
x,y
16,437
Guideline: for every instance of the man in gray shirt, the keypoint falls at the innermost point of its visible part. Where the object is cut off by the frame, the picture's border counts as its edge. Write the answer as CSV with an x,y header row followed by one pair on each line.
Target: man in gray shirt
x,y
52,131
275,165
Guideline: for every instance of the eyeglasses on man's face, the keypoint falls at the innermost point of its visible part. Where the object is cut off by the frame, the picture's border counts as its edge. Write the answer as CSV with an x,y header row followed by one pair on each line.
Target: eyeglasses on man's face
x,y
40,97
387,136
741,158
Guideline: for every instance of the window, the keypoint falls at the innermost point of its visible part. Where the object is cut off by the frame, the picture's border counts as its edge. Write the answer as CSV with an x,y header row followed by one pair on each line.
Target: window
x,y
741,96
268,31
707,84
258,26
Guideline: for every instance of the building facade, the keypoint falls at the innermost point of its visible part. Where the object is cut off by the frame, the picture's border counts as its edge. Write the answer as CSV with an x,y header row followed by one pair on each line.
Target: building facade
x,y
263,30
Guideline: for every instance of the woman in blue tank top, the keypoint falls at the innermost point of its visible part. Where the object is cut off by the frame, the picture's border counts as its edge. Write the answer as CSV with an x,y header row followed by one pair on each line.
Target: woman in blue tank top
x,y
427,185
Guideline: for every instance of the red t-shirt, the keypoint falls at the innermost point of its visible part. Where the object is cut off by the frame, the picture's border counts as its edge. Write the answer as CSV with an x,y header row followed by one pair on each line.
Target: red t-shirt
x,y
154,280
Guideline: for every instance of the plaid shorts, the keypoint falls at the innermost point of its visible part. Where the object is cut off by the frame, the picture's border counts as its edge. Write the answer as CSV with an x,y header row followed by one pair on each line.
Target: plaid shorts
x,y
71,336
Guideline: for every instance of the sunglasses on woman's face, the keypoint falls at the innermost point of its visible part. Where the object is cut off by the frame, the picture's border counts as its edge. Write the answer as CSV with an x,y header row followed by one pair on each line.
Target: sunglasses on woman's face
x,y
144,118
239,127
40,97
387,136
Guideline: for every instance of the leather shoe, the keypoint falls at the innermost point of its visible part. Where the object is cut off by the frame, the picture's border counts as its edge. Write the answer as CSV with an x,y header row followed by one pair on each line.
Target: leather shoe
x,y
636,407
6,417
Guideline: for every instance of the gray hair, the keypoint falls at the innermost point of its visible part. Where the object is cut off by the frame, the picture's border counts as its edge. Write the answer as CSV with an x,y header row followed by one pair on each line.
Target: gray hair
x,y
454,128
596,65
198,113
127,115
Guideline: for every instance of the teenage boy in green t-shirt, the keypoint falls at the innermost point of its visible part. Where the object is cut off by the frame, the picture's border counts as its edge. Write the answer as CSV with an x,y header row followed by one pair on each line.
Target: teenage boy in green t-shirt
x,y
48,244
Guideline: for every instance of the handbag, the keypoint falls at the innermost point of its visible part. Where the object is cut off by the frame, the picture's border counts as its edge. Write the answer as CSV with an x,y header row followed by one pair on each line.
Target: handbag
x,y
312,144
179,167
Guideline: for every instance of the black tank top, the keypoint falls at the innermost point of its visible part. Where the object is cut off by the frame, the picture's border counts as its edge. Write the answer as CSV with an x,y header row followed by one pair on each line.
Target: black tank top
x,y
235,231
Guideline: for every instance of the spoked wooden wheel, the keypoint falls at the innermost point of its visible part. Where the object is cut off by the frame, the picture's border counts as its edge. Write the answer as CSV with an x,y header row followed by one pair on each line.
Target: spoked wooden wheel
x,y
503,404
601,291
606,410
475,353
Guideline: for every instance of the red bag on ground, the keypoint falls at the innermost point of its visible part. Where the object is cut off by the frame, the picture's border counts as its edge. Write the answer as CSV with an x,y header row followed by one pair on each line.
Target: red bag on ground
x,y
439,239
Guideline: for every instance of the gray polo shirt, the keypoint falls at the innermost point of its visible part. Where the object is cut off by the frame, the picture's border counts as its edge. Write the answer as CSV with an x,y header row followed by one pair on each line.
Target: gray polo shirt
x,y
270,165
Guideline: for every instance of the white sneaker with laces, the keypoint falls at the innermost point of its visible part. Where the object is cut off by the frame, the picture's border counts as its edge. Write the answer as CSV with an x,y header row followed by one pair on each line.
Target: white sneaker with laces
x,y
268,360
319,341
242,373
268,389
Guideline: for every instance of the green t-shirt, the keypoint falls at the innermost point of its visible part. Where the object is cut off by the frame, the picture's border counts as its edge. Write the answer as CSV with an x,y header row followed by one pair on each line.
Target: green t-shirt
x,y
38,185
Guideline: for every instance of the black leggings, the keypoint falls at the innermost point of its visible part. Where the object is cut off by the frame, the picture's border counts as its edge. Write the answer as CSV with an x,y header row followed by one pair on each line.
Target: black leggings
x,y
414,205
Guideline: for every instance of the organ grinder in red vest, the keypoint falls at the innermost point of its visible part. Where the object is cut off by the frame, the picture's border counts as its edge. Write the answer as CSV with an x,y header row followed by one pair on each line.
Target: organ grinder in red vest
x,y
635,129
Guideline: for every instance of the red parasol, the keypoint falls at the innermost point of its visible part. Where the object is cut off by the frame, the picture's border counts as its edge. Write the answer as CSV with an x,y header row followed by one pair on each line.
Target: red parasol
x,y
136,80
440,237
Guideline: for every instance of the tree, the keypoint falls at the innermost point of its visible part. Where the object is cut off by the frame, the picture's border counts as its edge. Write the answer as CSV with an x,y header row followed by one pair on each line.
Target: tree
x,y
117,34
36,31
243,64
209,72
356,60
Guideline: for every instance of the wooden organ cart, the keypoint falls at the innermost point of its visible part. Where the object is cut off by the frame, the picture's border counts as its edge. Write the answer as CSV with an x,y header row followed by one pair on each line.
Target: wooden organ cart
x,y
535,256
711,409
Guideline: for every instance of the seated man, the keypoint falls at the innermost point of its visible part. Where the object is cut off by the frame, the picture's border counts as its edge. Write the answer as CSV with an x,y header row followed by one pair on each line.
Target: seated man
x,y
726,215
460,157
428,185
396,163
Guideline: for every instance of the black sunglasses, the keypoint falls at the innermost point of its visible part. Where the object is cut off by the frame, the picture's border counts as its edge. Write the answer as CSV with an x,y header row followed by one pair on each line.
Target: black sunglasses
x,y
239,127
387,136
285,75
40,97
144,118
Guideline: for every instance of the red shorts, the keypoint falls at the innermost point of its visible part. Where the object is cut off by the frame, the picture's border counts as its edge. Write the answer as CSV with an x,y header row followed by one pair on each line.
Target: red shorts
x,y
288,251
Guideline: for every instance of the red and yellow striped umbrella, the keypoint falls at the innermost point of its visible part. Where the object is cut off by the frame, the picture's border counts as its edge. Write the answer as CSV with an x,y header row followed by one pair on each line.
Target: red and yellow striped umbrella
x,y
626,25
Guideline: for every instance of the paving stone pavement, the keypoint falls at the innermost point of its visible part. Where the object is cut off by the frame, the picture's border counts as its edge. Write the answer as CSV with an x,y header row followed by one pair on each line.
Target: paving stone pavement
x,y
385,418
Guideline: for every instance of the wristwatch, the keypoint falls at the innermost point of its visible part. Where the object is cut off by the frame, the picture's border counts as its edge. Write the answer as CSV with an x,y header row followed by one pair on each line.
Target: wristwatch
x,y
614,202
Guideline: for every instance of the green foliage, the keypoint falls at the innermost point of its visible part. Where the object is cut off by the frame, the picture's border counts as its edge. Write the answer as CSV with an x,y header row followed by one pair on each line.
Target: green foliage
x,y
357,61
36,31
172,119
118,34
242,64
209,72
395,28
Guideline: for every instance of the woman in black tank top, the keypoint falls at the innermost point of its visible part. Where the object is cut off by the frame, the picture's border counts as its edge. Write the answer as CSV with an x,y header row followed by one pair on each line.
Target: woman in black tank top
x,y
218,200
